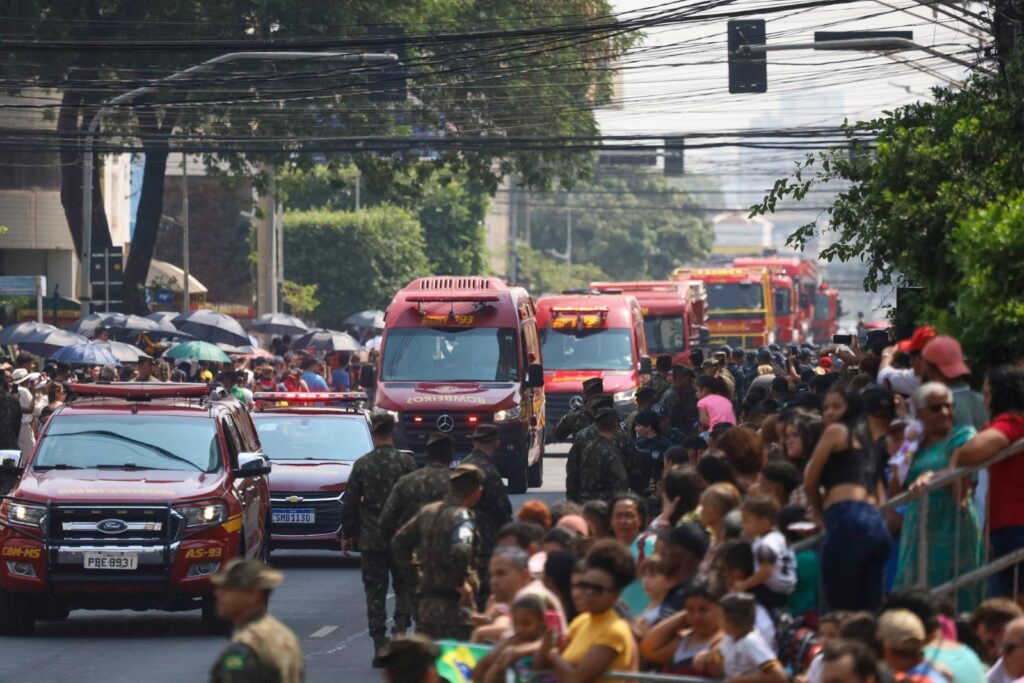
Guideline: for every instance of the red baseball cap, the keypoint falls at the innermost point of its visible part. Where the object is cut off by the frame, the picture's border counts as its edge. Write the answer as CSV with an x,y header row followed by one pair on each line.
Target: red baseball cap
x,y
919,340
825,362
945,354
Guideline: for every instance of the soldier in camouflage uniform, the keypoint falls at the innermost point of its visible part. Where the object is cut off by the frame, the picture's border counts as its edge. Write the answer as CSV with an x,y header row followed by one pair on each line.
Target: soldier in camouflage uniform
x,y
602,472
440,543
680,401
578,419
495,509
262,649
416,489
644,400
372,478
572,463
659,381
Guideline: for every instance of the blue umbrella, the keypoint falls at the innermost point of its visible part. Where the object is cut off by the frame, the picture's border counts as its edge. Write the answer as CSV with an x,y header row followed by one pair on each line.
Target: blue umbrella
x,y
85,354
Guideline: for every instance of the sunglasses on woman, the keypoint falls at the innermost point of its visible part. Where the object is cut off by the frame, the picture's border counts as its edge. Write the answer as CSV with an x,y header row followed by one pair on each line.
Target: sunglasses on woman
x,y
590,587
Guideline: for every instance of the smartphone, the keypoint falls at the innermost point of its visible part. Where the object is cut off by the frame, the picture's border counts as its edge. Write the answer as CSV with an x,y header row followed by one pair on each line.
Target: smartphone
x,y
794,351
846,339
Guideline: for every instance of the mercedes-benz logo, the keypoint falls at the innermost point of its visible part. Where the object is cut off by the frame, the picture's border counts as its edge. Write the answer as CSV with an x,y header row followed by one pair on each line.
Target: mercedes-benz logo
x,y
111,526
576,402
445,423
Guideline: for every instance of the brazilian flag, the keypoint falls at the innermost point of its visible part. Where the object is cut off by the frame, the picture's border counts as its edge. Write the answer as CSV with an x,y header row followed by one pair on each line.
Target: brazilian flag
x,y
456,661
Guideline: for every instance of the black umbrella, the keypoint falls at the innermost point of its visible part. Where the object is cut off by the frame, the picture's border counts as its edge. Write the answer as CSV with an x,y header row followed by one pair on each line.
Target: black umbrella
x,y
325,341
371,320
213,327
16,334
47,342
88,325
278,323
164,325
128,321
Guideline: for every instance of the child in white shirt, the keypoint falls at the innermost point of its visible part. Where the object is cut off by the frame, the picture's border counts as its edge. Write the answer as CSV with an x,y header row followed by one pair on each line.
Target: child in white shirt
x,y
743,656
774,575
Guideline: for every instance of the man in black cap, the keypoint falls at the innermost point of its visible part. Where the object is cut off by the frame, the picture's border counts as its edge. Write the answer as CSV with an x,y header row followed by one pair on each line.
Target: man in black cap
x,y
441,545
645,398
680,401
577,419
602,468
659,382
261,648
735,368
410,659
495,509
372,478
682,550
580,441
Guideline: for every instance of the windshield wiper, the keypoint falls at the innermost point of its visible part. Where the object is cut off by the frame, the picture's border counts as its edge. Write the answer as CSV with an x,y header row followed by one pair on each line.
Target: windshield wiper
x,y
58,466
126,466
121,437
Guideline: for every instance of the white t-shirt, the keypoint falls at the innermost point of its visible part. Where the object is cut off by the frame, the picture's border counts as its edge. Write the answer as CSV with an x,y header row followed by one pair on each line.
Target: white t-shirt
x,y
772,548
27,401
901,381
997,674
748,656
764,625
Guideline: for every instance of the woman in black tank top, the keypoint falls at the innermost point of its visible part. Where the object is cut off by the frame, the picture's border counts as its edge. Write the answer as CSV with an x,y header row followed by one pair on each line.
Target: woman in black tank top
x,y
839,486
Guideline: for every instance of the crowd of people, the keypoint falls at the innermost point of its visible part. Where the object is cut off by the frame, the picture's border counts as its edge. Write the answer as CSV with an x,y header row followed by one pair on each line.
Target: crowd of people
x,y
688,541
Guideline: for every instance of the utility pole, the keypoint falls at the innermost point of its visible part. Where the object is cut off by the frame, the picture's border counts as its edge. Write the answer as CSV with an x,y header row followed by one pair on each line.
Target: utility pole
x,y
186,297
266,248
513,235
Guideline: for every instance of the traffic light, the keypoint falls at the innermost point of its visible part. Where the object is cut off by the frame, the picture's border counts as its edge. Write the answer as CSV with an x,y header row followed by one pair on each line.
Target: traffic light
x,y
674,150
748,71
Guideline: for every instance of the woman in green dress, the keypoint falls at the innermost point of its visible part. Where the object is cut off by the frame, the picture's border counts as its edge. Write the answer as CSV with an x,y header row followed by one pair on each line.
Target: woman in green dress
x,y
948,555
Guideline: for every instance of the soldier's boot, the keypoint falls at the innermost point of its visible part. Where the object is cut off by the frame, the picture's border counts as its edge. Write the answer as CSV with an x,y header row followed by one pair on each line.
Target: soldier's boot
x,y
378,645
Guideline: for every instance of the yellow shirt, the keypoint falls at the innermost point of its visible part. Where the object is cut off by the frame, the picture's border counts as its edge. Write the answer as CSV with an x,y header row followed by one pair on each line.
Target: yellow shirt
x,y
608,629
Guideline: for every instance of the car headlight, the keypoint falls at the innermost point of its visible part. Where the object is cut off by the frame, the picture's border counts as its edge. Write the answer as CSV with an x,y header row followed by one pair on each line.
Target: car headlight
x,y
627,396
23,514
508,414
202,514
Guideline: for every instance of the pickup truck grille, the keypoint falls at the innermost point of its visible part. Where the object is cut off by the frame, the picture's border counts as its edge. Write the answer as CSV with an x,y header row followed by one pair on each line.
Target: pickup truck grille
x,y
111,524
325,504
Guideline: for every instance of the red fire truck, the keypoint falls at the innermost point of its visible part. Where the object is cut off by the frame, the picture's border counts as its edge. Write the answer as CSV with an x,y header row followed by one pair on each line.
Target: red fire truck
x,y
585,335
458,352
741,308
795,281
828,309
672,321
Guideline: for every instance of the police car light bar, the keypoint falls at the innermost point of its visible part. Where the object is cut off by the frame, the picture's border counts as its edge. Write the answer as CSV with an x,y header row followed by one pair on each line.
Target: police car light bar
x,y
309,396
141,391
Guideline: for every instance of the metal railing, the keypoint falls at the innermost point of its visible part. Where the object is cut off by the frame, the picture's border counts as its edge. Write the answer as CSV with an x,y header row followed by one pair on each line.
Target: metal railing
x,y
922,495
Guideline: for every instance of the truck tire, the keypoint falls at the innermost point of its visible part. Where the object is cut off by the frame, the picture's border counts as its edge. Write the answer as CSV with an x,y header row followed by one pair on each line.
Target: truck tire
x,y
517,481
535,474
17,614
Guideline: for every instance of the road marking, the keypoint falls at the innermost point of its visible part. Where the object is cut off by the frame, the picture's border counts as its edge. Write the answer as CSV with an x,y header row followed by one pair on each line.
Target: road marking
x,y
323,632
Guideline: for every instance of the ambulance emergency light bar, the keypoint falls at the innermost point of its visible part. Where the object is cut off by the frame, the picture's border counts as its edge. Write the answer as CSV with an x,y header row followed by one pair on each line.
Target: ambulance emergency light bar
x,y
452,298
141,391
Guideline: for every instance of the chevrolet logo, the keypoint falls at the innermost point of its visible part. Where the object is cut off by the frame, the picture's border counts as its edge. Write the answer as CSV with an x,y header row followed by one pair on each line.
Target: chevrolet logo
x,y
294,499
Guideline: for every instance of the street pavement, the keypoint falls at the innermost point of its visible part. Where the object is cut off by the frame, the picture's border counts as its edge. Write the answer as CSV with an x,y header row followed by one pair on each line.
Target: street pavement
x,y
321,600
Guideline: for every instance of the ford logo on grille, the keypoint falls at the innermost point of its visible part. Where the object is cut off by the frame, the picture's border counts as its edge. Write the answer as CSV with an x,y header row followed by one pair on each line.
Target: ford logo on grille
x,y
445,423
112,526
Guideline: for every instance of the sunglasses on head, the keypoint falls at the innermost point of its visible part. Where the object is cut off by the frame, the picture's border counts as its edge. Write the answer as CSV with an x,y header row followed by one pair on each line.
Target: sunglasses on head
x,y
590,587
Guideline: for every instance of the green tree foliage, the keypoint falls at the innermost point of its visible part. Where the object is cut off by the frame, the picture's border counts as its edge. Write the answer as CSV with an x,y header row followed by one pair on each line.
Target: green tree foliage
x,y
359,259
300,299
544,275
631,224
449,203
929,189
478,86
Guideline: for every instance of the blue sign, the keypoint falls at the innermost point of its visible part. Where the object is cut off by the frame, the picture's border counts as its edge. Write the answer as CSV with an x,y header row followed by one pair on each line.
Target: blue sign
x,y
18,285
163,296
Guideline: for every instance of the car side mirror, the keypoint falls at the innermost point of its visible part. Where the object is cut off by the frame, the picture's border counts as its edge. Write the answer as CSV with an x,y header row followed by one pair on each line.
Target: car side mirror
x,y
367,376
534,376
646,367
251,465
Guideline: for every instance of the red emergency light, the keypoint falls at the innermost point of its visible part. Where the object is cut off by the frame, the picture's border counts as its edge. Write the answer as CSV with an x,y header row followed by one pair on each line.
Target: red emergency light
x,y
309,396
452,298
141,391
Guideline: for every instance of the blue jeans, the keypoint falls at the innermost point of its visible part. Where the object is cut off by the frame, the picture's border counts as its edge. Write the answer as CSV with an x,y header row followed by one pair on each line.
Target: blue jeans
x,y
1004,541
853,556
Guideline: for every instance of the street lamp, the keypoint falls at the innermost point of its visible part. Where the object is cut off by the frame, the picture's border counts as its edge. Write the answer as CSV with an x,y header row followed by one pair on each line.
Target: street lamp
x,y
125,98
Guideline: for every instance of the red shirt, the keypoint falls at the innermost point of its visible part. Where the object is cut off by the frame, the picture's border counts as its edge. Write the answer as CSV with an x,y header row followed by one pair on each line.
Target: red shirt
x,y
1006,479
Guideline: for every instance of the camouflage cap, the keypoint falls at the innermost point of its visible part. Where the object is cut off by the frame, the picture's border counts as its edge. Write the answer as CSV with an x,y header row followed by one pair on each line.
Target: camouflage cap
x,y
594,385
485,433
382,424
438,438
243,575
602,401
467,470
